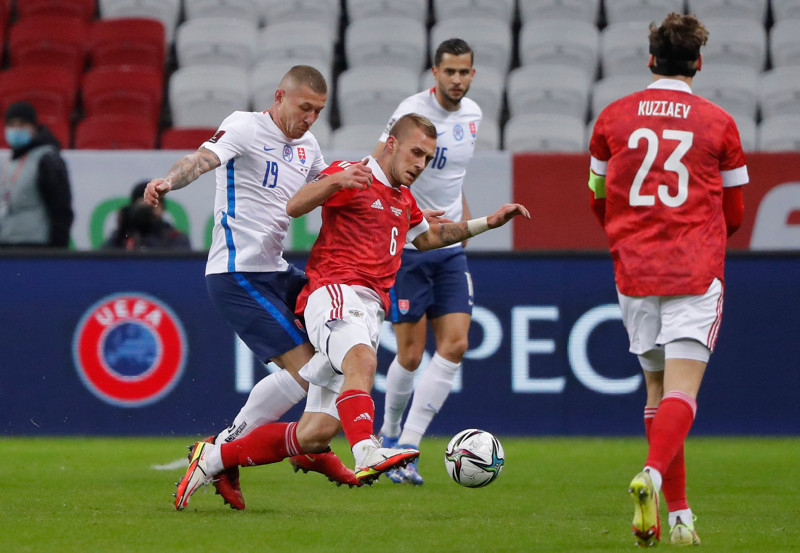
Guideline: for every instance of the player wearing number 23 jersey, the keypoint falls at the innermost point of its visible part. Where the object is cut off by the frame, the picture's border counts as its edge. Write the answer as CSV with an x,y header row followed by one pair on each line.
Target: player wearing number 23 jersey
x,y
666,155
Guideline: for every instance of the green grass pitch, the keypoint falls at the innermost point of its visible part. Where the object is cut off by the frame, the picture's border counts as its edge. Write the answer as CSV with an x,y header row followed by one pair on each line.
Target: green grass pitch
x,y
86,495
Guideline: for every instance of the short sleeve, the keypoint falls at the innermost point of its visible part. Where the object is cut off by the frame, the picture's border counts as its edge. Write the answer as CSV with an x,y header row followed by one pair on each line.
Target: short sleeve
x,y
234,136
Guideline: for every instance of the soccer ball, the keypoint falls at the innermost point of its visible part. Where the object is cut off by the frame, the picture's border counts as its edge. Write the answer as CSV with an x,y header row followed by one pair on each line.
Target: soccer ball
x,y
474,458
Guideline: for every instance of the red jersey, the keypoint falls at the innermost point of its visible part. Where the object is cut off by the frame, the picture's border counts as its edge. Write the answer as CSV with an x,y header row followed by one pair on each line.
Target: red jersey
x,y
362,236
666,155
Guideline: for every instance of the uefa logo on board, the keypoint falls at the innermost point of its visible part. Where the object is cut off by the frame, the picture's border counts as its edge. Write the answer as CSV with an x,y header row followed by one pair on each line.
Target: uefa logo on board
x,y
129,349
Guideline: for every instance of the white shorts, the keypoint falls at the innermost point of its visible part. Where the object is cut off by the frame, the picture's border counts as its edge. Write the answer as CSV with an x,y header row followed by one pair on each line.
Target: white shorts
x,y
653,322
339,317
322,400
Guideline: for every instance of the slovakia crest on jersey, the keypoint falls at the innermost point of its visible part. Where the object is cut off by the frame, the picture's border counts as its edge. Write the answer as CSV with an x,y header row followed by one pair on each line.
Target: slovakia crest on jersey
x,y
403,306
301,155
129,349
288,155
458,132
473,129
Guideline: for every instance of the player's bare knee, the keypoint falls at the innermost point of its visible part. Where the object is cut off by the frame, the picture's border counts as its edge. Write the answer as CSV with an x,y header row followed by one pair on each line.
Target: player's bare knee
x,y
453,350
409,358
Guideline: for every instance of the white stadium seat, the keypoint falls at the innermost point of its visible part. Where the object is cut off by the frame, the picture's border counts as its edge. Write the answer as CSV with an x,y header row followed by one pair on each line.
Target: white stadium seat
x,y
248,10
747,133
265,76
489,39
499,10
488,136
780,133
216,41
310,40
624,49
618,11
576,10
733,88
739,42
322,132
755,10
544,133
369,95
360,139
487,89
779,92
560,41
166,11
609,89
784,42
559,89
785,9
202,96
415,9
384,41
284,11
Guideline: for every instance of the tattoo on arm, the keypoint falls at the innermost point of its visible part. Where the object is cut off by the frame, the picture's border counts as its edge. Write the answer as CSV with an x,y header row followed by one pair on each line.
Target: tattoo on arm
x,y
450,233
190,167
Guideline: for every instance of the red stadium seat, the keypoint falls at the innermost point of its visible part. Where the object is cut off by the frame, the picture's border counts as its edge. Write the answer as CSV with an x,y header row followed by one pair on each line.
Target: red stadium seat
x,y
127,41
115,132
185,138
51,90
58,127
48,41
125,89
82,9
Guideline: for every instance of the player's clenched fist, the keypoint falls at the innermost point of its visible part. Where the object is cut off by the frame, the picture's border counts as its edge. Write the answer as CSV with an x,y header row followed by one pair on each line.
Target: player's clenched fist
x,y
357,175
156,189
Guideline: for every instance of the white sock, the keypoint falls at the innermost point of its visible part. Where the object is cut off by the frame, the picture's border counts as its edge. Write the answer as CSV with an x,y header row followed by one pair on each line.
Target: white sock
x,y
432,390
360,450
269,399
686,517
214,460
655,476
399,386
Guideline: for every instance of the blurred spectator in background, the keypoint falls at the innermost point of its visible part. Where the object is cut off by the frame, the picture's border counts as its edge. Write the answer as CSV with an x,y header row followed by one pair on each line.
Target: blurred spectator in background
x,y
143,227
35,196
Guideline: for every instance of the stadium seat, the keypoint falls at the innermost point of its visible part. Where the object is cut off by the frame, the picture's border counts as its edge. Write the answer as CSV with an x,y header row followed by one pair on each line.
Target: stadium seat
x,y
166,11
281,11
499,10
735,89
489,39
784,42
544,133
558,89
609,89
82,9
248,10
202,96
123,90
127,41
780,133
415,9
747,133
266,75
52,92
487,89
383,41
785,9
216,41
755,10
739,42
643,11
359,139
49,41
115,132
576,10
624,49
560,41
489,136
186,138
779,92
57,127
369,95
294,40
322,132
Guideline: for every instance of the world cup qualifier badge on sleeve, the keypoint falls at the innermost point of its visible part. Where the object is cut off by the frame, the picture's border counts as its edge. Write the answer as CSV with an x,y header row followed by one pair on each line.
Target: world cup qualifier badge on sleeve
x,y
129,349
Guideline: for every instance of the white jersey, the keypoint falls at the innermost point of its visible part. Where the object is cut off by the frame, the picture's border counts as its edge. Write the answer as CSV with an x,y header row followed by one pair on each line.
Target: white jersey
x,y
260,170
440,184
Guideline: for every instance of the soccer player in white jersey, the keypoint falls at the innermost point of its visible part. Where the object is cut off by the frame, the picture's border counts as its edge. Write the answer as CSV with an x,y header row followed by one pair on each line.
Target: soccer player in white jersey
x,y
667,171
433,285
261,160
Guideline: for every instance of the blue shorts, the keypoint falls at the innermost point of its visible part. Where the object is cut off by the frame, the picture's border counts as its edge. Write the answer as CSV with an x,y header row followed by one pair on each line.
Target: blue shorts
x,y
260,308
432,283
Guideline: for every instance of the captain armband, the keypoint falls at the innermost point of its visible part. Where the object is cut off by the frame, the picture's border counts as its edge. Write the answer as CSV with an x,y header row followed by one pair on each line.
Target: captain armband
x,y
477,226
597,184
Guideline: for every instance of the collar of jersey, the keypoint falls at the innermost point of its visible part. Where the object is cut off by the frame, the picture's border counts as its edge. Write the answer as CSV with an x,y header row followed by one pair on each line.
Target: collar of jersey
x,y
377,172
671,84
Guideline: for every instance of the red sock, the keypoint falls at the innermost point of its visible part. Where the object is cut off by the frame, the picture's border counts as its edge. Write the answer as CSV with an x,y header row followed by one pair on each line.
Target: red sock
x,y
669,429
266,444
356,412
674,479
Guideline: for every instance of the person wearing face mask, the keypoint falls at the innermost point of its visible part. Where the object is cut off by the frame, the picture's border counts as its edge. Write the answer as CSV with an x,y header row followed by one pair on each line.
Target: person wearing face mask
x,y
35,195
143,227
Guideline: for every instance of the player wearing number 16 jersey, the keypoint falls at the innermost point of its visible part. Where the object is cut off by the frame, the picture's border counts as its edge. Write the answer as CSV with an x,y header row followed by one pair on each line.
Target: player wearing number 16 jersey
x,y
666,173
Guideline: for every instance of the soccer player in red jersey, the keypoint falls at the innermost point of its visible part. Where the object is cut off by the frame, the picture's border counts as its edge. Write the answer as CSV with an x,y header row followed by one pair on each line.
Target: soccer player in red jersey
x,y
666,174
351,268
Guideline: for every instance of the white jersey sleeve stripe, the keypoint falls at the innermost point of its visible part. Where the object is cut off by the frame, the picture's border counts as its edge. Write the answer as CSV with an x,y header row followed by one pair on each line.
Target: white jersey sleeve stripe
x,y
735,177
